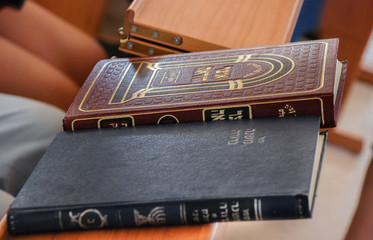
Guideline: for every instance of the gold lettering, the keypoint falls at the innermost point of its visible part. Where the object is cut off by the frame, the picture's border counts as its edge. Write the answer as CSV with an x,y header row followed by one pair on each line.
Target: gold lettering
x,y
205,215
246,214
201,74
224,211
281,112
290,109
115,125
233,137
218,115
236,116
261,139
249,136
287,110
223,73
195,215
235,208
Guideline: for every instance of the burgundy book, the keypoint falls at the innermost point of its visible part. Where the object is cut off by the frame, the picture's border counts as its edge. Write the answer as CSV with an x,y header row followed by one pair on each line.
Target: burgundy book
x,y
303,78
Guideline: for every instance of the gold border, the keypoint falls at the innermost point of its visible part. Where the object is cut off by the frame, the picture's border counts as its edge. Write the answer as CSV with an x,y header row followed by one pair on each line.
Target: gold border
x,y
134,77
120,81
245,58
168,115
164,74
260,208
111,117
102,118
196,86
200,108
94,81
183,216
228,50
256,209
227,107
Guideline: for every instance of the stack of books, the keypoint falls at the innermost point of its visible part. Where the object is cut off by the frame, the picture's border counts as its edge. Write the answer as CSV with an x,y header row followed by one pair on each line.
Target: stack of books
x,y
117,164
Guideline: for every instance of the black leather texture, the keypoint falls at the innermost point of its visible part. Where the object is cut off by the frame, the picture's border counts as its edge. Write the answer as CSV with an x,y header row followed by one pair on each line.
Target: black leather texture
x,y
259,158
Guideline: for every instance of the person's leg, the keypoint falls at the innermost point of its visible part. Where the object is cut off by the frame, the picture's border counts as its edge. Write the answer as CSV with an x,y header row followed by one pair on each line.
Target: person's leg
x,y
25,74
27,127
52,39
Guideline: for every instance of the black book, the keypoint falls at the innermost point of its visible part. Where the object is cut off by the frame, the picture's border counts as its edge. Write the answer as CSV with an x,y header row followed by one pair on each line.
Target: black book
x,y
173,174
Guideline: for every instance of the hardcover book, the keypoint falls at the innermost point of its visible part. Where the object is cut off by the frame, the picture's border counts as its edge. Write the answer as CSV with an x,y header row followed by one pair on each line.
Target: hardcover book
x,y
303,78
171,174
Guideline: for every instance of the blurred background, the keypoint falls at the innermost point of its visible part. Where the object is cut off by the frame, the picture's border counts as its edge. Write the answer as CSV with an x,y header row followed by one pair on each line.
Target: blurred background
x,y
349,150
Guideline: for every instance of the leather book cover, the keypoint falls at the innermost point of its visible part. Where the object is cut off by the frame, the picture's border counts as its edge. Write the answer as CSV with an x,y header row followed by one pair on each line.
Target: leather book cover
x,y
303,78
171,174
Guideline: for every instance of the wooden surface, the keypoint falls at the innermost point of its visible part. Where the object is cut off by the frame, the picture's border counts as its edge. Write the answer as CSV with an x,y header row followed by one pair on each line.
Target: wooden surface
x,y
213,231
348,141
366,73
84,14
351,21
224,24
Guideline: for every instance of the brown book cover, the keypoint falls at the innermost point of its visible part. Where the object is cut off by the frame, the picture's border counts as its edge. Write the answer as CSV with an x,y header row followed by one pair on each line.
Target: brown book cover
x,y
303,78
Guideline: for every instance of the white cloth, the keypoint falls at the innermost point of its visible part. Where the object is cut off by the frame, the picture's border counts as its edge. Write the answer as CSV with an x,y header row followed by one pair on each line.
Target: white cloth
x,y
5,200
27,127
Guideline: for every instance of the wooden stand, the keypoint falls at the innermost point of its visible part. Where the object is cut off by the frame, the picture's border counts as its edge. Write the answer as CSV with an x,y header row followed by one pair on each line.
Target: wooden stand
x,y
206,25
351,21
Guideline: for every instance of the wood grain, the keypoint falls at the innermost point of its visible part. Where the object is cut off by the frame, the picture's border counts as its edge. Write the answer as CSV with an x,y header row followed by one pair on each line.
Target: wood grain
x,y
228,24
349,141
84,14
366,73
351,21
214,231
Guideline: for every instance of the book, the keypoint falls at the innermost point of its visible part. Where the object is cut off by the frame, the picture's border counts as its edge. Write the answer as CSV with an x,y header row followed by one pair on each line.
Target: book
x,y
171,174
303,78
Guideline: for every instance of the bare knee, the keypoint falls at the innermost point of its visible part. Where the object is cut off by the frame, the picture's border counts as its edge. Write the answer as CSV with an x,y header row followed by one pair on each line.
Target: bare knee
x,y
25,74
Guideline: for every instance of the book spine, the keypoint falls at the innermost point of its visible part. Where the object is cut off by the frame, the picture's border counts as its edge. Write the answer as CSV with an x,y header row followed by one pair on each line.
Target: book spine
x,y
178,213
280,108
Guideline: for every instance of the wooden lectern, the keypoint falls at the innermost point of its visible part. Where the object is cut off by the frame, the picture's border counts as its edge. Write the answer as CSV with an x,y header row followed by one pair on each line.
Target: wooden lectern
x,y
353,30
168,26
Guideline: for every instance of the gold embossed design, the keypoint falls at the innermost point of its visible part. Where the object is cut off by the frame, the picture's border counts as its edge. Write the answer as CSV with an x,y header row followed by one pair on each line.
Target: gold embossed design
x,y
234,112
202,81
156,216
114,123
168,118
89,218
204,109
121,107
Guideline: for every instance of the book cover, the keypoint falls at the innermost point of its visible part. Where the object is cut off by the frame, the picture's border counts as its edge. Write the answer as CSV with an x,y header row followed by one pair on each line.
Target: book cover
x,y
170,174
303,78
